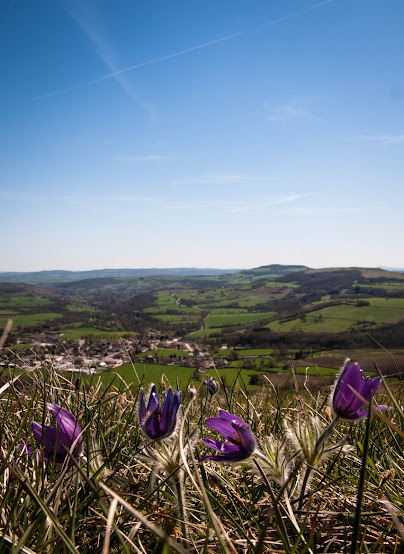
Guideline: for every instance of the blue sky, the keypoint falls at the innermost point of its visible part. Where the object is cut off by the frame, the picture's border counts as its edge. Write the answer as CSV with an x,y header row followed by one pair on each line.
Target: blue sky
x,y
201,133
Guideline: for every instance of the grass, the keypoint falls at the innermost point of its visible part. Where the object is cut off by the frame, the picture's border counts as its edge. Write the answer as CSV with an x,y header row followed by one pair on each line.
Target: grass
x,y
217,321
29,320
255,352
388,286
167,352
154,373
22,302
335,319
178,309
75,333
124,493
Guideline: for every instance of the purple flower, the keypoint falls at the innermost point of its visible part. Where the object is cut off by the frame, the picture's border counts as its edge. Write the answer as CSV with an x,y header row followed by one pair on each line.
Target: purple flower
x,y
241,443
212,385
158,422
57,441
192,391
345,404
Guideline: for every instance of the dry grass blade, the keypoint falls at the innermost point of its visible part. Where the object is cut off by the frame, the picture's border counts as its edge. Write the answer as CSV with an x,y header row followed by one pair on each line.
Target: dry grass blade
x,y
5,333
110,521
153,528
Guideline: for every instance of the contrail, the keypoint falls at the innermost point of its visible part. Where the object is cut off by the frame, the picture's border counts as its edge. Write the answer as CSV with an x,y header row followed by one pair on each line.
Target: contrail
x,y
136,66
185,51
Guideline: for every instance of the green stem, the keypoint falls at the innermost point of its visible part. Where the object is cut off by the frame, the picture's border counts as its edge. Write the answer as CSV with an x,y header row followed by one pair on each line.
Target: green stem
x,y
309,468
361,483
179,487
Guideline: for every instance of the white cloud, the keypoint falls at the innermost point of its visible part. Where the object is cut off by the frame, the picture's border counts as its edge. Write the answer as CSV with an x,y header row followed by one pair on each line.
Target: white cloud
x,y
118,73
128,199
319,211
89,20
294,109
142,158
266,204
380,139
214,179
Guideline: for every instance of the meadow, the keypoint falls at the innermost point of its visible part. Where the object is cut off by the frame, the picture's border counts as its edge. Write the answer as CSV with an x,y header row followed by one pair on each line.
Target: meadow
x,y
301,481
299,478
335,319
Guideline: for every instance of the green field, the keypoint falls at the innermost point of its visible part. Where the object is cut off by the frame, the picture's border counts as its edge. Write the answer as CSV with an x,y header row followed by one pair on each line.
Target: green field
x,y
149,373
255,352
388,286
242,297
280,285
315,370
177,318
28,320
218,321
22,302
75,333
177,308
227,311
152,373
335,319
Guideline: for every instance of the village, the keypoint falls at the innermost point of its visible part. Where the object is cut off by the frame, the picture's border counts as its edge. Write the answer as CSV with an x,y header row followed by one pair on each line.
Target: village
x,y
95,356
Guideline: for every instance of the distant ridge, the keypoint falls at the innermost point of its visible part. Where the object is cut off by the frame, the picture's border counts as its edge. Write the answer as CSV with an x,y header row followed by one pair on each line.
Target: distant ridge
x,y
396,269
273,271
58,276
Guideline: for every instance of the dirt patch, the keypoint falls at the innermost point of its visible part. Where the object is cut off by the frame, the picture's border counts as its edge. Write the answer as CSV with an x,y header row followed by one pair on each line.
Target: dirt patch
x,y
386,365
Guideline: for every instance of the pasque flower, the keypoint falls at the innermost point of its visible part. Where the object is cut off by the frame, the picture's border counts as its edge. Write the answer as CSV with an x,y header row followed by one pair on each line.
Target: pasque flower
x,y
212,385
192,392
241,443
57,441
344,402
158,422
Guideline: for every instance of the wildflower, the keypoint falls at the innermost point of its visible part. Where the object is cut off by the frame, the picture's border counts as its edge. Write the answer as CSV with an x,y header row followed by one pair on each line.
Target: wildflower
x,y
344,402
192,391
158,422
242,441
274,460
212,385
310,441
57,441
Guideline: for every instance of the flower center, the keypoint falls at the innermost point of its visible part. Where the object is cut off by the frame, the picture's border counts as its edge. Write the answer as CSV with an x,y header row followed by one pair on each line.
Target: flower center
x,y
235,438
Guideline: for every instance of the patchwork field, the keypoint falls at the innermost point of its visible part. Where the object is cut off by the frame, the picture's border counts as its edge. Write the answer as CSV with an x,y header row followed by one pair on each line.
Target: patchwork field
x,y
335,319
22,302
221,320
27,320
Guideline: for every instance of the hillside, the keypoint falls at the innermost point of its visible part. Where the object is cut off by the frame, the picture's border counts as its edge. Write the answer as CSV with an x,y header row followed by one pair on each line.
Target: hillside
x,y
269,305
61,276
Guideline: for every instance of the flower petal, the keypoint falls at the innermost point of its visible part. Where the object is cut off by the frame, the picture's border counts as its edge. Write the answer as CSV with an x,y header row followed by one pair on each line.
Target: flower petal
x,y
25,449
52,439
169,412
230,452
246,435
225,415
154,400
345,403
67,422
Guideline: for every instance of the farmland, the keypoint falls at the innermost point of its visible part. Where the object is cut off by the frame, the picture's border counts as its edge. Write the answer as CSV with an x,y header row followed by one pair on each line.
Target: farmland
x,y
252,323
